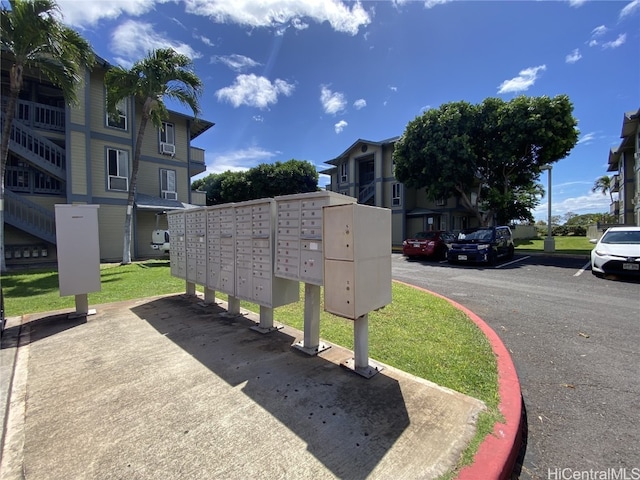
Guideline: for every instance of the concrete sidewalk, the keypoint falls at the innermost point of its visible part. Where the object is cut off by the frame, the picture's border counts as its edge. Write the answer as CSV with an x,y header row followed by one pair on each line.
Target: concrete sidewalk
x,y
164,388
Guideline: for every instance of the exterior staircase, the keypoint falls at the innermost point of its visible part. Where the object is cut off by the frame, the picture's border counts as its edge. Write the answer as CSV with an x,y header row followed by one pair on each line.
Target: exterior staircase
x,y
42,154
36,149
29,216
366,193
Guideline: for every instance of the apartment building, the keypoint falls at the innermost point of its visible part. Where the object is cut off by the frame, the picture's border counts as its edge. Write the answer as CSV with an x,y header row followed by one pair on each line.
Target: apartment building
x,y
80,155
365,171
624,160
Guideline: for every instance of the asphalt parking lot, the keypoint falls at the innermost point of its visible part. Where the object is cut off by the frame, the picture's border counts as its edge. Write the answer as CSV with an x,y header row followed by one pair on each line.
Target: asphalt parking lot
x,y
575,341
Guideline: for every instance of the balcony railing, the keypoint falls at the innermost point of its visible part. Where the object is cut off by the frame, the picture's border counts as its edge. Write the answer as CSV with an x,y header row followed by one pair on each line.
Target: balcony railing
x,y
615,183
197,155
38,115
614,208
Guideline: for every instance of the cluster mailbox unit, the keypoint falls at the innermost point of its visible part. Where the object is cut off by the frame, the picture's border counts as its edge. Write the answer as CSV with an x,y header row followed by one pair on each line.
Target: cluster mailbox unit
x,y
259,250
230,248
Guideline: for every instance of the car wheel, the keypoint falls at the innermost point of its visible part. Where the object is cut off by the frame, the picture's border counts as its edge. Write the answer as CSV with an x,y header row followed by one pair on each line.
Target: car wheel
x,y
597,274
511,252
493,258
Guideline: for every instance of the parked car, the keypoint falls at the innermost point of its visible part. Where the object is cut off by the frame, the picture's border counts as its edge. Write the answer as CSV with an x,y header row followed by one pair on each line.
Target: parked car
x,y
617,252
482,245
431,244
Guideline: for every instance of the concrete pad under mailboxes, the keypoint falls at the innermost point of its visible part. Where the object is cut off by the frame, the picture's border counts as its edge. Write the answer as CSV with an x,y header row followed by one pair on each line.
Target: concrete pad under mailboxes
x,y
162,388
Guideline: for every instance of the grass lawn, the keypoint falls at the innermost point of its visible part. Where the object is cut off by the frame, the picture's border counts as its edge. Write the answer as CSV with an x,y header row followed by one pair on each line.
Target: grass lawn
x,y
418,333
567,245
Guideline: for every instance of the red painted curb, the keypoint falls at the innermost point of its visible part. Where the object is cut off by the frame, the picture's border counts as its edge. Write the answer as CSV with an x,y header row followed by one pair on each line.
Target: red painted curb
x,y
496,456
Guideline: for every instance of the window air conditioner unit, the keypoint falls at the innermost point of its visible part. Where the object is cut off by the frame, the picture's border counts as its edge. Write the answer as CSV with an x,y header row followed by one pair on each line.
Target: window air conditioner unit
x,y
167,149
169,195
343,178
118,183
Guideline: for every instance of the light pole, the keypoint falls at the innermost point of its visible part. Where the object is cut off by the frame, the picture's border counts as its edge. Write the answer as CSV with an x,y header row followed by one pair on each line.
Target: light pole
x,y
549,242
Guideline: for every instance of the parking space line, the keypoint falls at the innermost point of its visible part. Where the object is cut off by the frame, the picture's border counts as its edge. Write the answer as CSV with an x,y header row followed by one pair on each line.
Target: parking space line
x,y
513,261
581,271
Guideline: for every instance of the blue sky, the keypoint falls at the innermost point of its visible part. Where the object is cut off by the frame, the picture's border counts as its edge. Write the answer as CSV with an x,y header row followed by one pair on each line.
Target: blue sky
x,y
304,79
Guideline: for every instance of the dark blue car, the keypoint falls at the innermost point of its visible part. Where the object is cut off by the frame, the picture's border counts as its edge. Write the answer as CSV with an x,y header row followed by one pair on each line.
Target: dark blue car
x,y
482,245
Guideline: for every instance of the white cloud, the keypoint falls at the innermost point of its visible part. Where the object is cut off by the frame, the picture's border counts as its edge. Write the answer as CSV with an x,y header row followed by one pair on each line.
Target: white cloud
x,y
280,14
258,118
592,43
80,14
393,88
630,9
617,42
525,79
332,102
238,160
205,40
340,126
132,40
591,202
577,3
599,31
573,57
587,138
359,104
254,91
433,3
238,63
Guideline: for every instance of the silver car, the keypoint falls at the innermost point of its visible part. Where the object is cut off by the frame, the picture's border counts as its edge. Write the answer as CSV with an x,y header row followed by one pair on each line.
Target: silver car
x,y
617,252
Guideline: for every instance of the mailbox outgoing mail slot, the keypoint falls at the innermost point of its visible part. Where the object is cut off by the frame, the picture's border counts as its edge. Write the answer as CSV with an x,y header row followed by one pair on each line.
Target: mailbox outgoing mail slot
x,y
357,259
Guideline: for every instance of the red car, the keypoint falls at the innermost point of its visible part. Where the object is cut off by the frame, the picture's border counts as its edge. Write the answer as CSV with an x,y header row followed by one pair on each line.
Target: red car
x,y
433,244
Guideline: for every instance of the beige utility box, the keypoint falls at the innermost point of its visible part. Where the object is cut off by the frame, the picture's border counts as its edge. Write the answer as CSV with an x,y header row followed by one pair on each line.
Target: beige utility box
x,y
78,249
357,259
299,234
177,244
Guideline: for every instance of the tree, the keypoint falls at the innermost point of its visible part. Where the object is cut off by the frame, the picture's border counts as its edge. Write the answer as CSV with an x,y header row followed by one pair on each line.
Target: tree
x,y
494,150
262,181
33,37
604,185
162,74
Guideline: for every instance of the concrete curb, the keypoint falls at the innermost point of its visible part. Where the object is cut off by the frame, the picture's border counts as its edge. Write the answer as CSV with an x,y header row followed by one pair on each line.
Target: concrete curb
x,y
497,454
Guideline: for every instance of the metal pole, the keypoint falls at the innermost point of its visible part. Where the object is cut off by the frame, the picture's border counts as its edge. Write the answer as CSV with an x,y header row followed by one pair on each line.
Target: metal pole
x,y
549,232
549,242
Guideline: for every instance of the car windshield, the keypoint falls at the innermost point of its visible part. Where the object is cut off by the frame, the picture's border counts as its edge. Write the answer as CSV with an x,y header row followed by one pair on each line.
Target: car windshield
x,y
425,235
481,234
623,237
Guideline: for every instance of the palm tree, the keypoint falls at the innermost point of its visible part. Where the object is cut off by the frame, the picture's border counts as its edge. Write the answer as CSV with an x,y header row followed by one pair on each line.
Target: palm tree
x,y
32,36
163,73
604,185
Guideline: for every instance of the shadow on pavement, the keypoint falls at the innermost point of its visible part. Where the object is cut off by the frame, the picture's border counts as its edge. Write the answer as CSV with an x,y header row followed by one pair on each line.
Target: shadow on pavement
x,y
348,423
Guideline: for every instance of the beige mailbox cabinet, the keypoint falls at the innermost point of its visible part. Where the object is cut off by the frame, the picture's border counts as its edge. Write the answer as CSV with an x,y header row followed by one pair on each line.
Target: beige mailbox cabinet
x,y
299,250
177,241
357,259
221,258
255,281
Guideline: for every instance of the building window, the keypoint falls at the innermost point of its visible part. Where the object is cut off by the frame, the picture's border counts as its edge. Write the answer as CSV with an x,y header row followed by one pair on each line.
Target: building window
x,y
167,139
396,194
118,120
117,169
168,184
441,202
344,170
